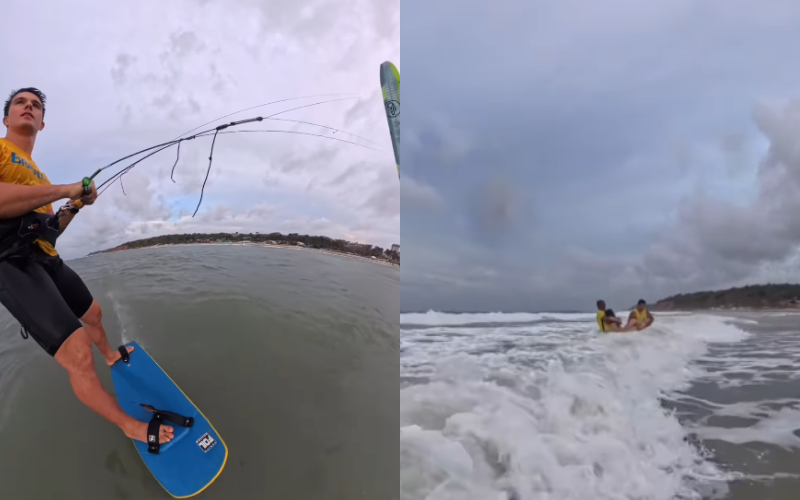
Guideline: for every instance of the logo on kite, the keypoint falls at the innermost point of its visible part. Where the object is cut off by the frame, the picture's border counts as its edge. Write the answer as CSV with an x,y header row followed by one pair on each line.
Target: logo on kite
x,y
393,108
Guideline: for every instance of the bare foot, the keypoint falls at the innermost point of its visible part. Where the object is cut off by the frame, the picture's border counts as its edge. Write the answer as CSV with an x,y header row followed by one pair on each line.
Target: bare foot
x,y
115,356
139,432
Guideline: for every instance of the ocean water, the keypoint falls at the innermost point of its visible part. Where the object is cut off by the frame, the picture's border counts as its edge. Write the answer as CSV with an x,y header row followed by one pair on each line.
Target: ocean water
x,y
292,355
544,407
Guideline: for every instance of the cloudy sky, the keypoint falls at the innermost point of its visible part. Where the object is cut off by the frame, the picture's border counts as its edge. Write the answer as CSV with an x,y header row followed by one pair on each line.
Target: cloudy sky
x,y
555,153
120,77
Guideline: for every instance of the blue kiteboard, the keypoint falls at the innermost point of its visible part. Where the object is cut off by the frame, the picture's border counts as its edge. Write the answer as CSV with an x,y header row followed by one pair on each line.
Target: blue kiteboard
x,y
195,457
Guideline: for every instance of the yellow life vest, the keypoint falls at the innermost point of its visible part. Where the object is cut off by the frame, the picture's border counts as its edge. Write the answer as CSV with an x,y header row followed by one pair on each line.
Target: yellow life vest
x,y
600,323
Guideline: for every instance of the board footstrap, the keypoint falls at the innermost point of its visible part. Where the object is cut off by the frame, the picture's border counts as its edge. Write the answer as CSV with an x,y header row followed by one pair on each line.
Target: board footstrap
x,y
159,416
124,353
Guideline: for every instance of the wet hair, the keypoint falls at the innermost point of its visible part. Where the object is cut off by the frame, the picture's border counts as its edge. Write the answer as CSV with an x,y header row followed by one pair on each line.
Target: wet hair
x,y
600,303
14,93
641,302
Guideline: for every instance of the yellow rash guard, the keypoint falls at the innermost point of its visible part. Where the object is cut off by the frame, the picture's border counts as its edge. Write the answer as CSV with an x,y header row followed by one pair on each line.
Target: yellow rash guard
x,y
16,167
641,317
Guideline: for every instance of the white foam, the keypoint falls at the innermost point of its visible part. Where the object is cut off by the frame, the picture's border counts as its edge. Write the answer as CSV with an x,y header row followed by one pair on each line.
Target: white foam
x,y
123,317
438,318
535,412
778,429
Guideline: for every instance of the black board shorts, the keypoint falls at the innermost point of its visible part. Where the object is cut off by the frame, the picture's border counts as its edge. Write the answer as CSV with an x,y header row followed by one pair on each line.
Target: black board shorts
x,y
45,296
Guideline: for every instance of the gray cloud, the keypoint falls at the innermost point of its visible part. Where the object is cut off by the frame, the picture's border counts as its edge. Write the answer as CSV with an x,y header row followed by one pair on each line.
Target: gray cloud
x,y
498,213
141,202
310,23
320,158
736,155
554,159
349,173
362,109
719,241
417,196
384,201
118,72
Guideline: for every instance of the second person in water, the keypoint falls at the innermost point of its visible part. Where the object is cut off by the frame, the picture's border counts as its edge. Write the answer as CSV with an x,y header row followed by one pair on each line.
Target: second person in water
x,y
639,319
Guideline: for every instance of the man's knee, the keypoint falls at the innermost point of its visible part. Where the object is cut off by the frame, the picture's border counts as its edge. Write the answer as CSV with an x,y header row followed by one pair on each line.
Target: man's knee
x,y
94,316
75,354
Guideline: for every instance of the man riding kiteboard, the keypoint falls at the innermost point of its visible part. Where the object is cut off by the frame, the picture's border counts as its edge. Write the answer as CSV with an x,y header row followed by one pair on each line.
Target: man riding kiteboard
x,y
48,298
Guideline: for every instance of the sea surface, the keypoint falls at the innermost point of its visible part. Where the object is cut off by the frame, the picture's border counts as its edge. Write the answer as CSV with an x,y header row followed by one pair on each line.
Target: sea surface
x,y
292,355
544,407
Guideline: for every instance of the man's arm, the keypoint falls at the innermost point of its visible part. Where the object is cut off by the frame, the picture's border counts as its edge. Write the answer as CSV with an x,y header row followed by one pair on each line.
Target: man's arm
x,y
64,220
86,199
16,200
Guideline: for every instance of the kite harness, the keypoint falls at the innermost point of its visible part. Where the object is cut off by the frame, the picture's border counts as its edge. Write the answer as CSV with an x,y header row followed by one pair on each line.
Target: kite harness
x,y
17,234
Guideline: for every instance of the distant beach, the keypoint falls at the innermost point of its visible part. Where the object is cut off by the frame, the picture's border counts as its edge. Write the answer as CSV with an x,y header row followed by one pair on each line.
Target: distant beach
x,y
288,247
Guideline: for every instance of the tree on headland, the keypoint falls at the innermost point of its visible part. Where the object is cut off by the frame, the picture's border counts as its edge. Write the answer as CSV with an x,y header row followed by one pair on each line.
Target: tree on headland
x,y
784,295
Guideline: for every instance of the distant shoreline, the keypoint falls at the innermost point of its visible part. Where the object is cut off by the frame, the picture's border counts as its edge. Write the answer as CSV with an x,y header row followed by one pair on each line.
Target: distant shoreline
x,y
756,297
288,247
730,309
327,252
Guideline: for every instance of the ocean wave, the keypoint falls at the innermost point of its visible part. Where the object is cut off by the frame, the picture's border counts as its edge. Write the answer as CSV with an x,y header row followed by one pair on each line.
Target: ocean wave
x,y
440,318
521,412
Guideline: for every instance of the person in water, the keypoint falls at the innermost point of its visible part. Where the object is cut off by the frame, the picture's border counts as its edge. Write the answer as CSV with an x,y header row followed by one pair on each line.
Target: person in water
x,y
606,319
640,318
48,298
